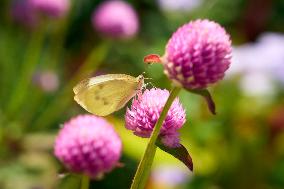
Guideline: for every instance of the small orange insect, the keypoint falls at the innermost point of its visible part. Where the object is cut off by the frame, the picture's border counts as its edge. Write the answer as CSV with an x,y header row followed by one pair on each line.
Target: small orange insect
x,y
152,59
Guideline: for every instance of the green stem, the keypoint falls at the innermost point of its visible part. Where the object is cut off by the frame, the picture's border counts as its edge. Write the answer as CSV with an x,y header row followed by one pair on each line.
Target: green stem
x,y
144,167
8,54
29,64
65,97
85,182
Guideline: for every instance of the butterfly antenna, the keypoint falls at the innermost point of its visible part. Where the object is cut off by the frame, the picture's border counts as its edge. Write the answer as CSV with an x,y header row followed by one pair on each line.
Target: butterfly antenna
x,y
141,76
148,78
144,73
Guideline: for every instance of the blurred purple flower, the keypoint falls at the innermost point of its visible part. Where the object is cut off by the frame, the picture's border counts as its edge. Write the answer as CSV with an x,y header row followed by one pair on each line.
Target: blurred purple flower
x,y
198,54
263,59
116,19
179,5
270,55
145,110
170,176
23,13
51,8
271,46
88,144
47,80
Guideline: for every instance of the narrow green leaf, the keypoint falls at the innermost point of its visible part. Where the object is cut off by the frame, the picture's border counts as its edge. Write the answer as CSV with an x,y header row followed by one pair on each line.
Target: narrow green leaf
x,y
179,152
207,96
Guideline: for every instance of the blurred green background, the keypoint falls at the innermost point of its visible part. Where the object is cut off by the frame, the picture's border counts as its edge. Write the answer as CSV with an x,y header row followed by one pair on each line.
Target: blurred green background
x,y
241,147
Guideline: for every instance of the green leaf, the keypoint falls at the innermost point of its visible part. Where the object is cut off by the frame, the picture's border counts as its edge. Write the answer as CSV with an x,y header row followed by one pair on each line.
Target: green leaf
x,y
179,152
207,96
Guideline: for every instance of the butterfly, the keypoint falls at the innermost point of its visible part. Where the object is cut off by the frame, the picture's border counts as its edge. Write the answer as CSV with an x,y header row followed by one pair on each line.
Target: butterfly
x,y
105,94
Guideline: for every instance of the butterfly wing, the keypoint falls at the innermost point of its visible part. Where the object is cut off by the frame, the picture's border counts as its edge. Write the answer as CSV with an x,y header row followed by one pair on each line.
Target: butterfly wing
x,y
100,79
104,95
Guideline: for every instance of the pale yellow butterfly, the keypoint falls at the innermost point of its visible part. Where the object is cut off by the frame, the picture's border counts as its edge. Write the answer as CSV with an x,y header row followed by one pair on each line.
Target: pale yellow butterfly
x,y
105,94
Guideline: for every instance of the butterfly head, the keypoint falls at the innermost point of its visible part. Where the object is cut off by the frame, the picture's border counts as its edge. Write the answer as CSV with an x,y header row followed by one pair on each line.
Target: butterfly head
x,y
140,77
140,80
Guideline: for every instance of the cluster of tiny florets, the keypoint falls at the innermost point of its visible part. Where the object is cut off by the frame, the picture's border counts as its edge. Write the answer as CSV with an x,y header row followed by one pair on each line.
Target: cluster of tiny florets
x,y
88,144
145,110
198,54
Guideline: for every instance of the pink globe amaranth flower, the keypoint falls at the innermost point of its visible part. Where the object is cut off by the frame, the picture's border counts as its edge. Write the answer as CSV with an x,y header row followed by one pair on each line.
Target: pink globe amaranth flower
x,y
51,8
88,144
116,19
197,54
23,13
145,112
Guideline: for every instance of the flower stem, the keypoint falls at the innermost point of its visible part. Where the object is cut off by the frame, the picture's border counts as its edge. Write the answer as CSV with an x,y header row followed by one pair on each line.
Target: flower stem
x,y
85,182
145,164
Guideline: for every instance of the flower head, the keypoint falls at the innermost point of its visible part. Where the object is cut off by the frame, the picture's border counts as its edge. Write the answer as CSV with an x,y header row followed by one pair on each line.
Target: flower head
x,y
198,54
116,19
88,144
145,111
51,8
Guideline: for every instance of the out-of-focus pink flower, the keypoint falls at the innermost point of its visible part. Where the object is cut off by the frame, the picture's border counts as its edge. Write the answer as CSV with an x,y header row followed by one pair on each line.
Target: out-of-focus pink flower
x,y
51,8
47,80
23,13
116,19
198,54
145,111
88,144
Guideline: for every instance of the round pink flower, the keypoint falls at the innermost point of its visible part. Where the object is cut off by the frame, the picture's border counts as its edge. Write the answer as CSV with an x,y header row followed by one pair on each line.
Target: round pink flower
x,y
88,144
116,19
51,8
197,54
145,112
23,13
